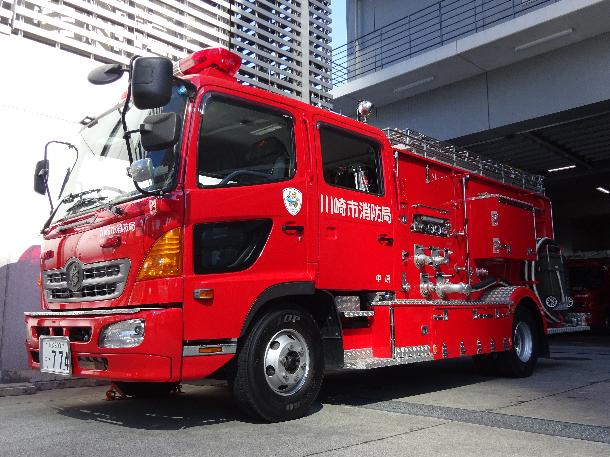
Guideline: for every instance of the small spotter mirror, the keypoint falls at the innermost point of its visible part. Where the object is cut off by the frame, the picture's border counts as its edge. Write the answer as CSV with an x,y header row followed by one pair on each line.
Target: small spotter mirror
x,y
142,170
106,74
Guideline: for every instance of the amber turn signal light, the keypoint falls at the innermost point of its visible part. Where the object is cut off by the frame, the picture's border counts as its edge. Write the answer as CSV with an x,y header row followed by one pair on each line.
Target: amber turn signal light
x,y
164,259
203,294
210,350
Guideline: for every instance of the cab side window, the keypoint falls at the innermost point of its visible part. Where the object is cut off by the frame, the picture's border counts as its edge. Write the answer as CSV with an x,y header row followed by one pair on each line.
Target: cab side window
x,y
243,144
351,161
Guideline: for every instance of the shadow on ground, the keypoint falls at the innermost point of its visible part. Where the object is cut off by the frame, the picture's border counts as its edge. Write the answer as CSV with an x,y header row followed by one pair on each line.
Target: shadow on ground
x,y
195,408
371,386
202,406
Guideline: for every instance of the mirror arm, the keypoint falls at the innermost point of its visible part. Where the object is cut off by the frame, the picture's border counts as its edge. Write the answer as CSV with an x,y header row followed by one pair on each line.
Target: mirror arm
x,y
46,181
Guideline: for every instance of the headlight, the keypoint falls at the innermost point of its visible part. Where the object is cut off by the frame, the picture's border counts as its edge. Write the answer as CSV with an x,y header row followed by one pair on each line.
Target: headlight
x,y
124,334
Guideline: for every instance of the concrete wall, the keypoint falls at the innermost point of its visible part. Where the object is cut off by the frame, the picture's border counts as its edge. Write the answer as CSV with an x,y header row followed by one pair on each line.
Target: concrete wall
x,y
567,78
364,16
45,93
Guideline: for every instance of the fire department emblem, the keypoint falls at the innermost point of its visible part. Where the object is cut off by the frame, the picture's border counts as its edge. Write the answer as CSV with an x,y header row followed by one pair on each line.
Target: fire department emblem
x,y
74,275
293,200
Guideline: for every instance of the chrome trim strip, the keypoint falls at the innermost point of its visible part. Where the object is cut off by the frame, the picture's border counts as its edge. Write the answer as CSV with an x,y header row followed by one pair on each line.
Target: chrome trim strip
x,y
506,200
496,296
358,313
193,351
418,301
89,312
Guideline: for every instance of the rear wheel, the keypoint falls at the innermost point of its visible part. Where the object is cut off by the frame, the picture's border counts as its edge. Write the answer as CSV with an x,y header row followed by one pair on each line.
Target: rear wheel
x,y
279,368
520,361
146,389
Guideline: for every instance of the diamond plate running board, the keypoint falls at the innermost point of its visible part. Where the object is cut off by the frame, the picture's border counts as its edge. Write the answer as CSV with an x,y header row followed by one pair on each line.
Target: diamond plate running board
x,y
362,359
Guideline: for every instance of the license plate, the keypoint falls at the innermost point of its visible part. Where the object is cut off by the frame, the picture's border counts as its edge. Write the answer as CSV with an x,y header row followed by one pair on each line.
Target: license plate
x,y
55,355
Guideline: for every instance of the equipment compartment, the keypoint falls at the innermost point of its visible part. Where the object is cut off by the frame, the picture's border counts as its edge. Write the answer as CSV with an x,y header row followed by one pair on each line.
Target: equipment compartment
x,y
501,227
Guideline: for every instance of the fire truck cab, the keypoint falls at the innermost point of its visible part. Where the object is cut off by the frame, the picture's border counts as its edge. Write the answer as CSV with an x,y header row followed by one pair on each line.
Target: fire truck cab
x,y
264,240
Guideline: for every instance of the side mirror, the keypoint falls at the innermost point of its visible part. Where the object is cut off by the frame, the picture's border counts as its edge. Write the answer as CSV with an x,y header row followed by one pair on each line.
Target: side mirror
x,y
160,131
151,82
41,176
106,74
142,170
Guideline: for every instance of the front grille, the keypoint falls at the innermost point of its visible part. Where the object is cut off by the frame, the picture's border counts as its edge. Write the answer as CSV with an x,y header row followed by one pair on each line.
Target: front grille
x,y
101,281
102,272
54,278
95,291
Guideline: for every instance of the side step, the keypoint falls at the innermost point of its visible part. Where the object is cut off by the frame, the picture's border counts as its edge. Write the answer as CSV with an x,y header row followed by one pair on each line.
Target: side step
x,y
577,328
362,359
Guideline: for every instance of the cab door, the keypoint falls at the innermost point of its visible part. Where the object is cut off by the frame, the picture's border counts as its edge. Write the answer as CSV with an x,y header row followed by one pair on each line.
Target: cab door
x,y
246,213
356,208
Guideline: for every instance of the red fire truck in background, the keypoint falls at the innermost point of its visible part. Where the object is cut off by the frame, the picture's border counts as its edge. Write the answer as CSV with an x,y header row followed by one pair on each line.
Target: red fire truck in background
x,y
589,274
209,228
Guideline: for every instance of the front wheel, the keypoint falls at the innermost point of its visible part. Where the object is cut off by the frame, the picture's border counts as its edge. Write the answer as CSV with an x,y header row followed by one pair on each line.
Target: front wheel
x,y
279,368
520,361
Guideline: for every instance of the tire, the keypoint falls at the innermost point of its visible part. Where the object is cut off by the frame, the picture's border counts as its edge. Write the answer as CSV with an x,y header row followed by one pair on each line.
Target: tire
x,y
521,359
146,389
279,368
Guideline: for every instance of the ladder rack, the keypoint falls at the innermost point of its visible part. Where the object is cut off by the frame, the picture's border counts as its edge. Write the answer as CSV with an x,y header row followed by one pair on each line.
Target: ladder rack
x,y
428,147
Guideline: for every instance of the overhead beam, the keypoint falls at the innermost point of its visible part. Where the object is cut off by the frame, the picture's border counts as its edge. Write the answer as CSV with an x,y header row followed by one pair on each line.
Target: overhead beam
x,y
557,149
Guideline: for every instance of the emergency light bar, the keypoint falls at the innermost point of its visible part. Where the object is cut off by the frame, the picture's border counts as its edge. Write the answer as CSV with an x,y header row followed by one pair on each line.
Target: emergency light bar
x,y
219,59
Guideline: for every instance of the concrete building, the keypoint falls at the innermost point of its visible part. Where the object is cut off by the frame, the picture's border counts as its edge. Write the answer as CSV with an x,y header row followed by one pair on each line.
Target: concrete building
x,y
524,81
280,52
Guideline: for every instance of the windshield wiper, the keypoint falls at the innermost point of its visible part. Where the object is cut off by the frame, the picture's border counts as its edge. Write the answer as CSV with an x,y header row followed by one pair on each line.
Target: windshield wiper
x,y
71,197
86,202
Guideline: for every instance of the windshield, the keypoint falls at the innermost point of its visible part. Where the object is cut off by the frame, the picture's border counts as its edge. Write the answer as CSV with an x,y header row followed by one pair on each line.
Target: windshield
x,y
100,174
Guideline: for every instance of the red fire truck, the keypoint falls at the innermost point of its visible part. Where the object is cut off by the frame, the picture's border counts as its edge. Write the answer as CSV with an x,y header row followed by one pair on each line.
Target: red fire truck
x,y
209,228
589,273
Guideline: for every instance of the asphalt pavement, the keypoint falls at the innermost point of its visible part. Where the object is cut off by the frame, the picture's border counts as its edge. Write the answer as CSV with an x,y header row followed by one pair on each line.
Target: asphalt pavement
x,y
431,409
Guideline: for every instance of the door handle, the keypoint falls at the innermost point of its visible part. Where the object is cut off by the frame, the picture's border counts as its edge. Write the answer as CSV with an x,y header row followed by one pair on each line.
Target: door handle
x,y
385,239
293,228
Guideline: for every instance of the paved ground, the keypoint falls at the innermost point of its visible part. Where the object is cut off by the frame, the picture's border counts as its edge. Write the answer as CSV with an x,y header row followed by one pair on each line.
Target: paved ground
x,y
433,409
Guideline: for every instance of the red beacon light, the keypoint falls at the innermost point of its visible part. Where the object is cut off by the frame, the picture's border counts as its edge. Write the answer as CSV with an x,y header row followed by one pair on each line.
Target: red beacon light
x,y
212,61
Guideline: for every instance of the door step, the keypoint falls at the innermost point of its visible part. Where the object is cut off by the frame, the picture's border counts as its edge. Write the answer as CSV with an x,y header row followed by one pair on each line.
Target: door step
x,y
362,359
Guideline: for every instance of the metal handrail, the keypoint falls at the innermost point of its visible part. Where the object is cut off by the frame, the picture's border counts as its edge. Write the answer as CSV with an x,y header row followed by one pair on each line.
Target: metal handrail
x,y
431,148
421,31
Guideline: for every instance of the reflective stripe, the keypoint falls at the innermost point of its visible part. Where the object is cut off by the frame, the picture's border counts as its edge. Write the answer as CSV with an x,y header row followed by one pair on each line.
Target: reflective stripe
x,y
225,348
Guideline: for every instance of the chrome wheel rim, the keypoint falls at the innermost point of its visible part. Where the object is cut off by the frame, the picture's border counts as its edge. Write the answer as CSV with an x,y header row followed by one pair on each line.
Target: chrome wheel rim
x,y
287,362
523,342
